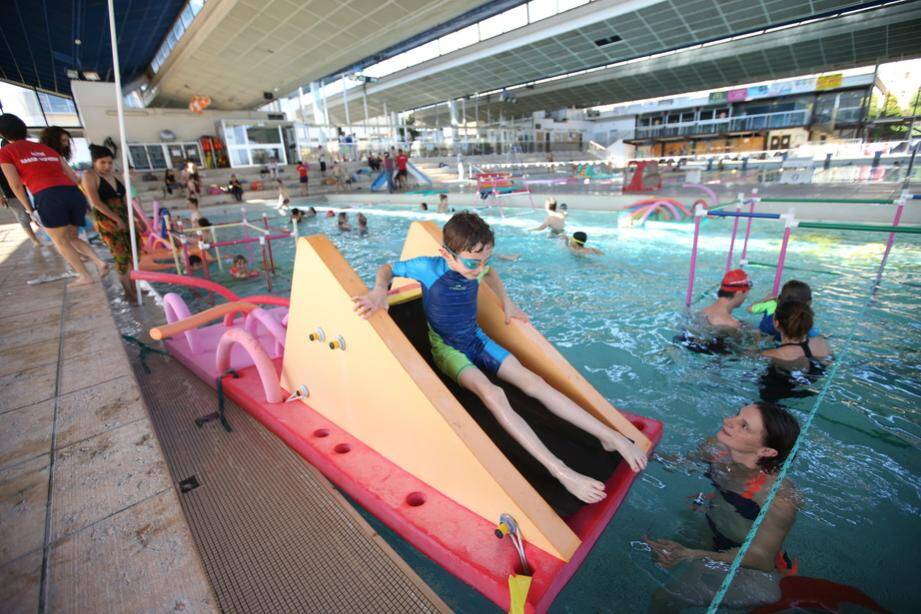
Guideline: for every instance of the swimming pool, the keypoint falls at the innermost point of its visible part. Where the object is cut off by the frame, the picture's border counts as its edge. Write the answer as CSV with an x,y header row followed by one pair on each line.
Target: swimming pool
x,y
614,318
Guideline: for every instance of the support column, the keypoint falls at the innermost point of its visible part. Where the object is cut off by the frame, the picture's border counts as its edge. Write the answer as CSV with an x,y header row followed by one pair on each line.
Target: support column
x,y
345,104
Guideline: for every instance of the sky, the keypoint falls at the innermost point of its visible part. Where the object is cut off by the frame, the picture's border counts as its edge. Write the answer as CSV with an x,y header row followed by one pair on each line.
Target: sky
x,y
902,79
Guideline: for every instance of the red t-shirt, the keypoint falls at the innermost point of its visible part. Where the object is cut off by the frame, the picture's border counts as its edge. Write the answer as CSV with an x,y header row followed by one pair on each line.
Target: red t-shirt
x,y
402,161
301,170
38,165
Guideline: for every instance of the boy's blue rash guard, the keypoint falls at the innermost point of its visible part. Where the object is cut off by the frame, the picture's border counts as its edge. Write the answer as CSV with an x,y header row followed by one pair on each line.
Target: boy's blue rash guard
x,y
766,325
450,303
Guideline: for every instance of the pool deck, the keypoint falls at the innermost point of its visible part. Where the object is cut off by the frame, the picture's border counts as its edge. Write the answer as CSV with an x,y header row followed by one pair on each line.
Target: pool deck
x,y
90,519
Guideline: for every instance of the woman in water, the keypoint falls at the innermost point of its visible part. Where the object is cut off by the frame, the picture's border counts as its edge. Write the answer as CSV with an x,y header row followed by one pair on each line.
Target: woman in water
x,y
110,212
743,460
797,352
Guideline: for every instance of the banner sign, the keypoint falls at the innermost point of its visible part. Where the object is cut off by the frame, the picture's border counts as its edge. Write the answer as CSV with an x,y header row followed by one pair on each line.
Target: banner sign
x,y
737,95
829,82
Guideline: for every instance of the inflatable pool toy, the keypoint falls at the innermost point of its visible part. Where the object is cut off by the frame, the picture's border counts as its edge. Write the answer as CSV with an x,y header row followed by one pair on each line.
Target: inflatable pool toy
x,y
662,208
362,402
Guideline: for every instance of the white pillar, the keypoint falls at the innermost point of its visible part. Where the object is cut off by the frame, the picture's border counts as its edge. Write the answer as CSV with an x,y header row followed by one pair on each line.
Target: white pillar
x,y
300,101
345,103
119,105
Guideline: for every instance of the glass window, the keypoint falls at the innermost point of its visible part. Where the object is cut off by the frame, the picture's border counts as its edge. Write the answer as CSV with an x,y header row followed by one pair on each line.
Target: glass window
x,y
706,114
191,152
22,102
239,156
156,157
565,5
494,26
541,9
196,6
458,40
187,17
178,29
138,155
235,135
56,104
263,135
263,156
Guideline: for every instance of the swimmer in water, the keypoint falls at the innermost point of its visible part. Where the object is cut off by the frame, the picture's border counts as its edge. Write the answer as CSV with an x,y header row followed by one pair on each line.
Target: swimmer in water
x,y
798,352
555,220
733,291
576,245
793,290
743,460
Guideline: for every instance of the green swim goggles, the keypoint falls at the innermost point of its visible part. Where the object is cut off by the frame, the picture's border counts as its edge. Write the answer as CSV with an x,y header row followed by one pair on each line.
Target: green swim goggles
x,y
471,263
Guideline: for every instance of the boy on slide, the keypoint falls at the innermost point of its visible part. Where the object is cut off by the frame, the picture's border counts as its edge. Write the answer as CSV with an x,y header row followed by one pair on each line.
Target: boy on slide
x,y
463,351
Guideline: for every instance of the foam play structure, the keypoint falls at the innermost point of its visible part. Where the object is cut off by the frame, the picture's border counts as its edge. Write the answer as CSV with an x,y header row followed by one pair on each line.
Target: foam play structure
x,y
361,401
663,209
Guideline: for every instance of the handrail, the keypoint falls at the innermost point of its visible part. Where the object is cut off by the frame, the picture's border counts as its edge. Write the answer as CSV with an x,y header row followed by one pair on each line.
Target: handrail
x,y
264,365
199,319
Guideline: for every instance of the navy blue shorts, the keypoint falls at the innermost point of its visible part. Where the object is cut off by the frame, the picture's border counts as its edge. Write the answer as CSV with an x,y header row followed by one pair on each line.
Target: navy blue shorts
x,y
61,205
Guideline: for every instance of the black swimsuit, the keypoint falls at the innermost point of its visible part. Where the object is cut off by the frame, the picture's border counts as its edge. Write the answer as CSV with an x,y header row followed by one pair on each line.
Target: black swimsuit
x,y
815,367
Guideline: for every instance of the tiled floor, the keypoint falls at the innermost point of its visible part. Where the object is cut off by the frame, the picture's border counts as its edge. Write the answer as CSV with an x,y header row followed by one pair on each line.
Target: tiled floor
x,y
89,521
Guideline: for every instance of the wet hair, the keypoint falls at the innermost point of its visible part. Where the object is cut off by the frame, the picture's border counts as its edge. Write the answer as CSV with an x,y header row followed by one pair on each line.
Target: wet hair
x,y
192,199
551,205
425,206
580,236
239,258
312,210
343,216
362,220
780,432
295,212
466,230
442,196
794,318
193,259
51,136
12,128
98,152
726,293
203,222
795,290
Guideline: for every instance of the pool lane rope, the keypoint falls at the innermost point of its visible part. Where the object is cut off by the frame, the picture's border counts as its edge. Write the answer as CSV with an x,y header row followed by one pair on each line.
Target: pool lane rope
x,y
778,481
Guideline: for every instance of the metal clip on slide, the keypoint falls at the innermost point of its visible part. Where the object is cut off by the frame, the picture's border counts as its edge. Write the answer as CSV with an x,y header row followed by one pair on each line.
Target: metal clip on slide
x,y
301,393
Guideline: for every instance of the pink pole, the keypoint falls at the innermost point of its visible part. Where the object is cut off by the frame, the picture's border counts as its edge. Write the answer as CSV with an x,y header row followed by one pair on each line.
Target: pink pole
x,y
265,266
735,230
780,261
687,299
265,222
889,243
748,226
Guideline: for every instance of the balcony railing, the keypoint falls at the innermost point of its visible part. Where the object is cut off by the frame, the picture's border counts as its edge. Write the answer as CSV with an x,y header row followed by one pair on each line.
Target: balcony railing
x,y
745,123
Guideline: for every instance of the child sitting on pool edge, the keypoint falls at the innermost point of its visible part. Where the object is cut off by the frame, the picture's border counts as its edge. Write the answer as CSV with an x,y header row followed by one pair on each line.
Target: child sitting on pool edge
x,y
463,352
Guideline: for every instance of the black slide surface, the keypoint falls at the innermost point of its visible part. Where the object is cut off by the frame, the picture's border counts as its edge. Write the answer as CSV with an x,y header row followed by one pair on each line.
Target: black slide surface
x,y
576,448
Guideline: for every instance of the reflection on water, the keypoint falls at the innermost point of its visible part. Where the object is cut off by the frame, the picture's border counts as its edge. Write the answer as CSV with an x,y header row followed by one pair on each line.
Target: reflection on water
x,y
615,316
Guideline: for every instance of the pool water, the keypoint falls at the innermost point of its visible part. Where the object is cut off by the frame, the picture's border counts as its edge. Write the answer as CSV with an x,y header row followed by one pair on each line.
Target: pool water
x,y
614,317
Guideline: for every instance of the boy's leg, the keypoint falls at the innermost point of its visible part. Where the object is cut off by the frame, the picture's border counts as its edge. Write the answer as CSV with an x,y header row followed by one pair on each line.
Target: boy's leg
x,y
513,372
581,486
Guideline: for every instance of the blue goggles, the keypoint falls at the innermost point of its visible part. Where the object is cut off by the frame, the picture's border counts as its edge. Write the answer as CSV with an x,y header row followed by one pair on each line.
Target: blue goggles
x,y
471,263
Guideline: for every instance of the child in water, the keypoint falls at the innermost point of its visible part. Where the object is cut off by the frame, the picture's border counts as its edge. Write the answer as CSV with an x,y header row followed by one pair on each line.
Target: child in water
x,y
793,290
240,268
463,352
343,222
576,245
362,225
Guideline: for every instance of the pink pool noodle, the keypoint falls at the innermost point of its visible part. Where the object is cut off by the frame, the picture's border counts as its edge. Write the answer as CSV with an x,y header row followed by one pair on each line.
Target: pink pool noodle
x,y
264,365
780,261
687,299
185,280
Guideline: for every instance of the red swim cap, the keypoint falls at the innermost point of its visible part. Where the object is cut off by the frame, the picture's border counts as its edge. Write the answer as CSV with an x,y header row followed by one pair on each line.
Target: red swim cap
x,y
736,280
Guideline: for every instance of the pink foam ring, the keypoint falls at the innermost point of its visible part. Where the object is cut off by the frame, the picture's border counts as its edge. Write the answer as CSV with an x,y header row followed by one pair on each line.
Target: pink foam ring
x,y
140,215
670,205
264,365
176,309
258,299
184,280
705,190
649,210
284,321
261,316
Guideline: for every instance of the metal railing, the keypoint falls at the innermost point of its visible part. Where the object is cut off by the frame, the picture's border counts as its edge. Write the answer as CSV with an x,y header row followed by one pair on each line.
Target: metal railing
x,y
745,123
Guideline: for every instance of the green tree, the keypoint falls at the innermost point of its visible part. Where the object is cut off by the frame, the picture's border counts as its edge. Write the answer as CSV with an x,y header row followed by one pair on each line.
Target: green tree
x,y
889,130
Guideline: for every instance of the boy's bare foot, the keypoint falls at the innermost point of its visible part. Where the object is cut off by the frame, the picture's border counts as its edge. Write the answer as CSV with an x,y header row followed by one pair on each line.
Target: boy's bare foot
x,y
634,456
80,282
581,486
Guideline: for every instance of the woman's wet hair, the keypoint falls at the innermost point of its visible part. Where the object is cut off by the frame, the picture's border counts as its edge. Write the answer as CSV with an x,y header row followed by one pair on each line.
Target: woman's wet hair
x,y
204,222
794,318
466,230
795,290
51,136
780,433
12,128
98,152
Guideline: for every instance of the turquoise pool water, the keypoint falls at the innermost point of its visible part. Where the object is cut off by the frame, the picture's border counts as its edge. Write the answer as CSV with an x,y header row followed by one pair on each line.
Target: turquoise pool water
x,y
614,317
